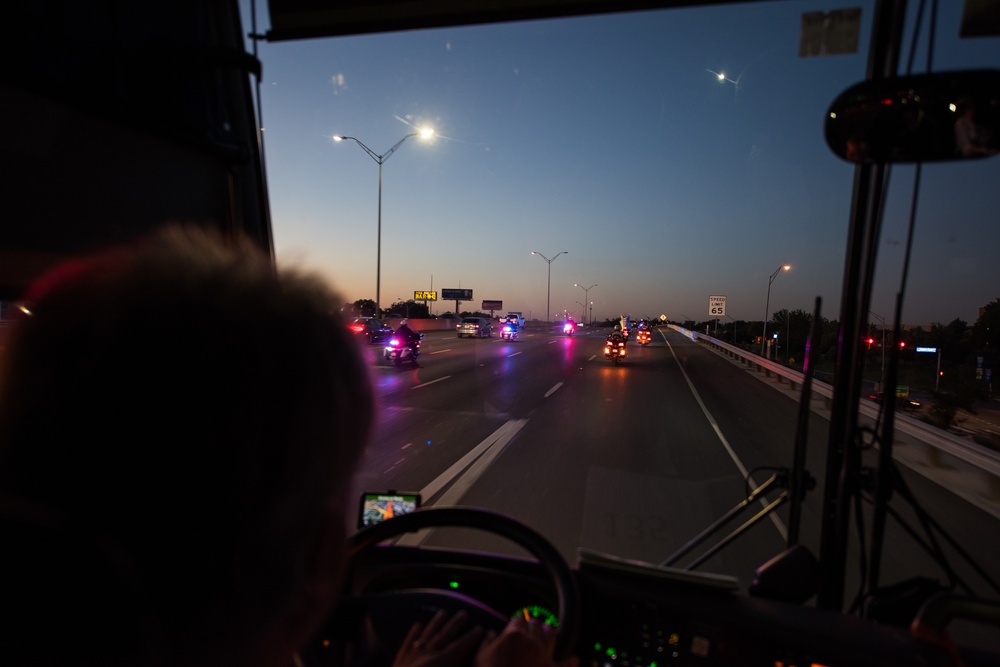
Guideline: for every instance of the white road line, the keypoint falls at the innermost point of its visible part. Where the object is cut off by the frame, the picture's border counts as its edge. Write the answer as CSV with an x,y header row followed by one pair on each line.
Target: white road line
x,y
421,386
440,351
725,443
554,389
513,354
592,357
463,473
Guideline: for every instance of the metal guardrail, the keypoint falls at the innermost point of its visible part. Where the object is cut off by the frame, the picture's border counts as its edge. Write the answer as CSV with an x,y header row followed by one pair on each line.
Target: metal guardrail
x,y
939,448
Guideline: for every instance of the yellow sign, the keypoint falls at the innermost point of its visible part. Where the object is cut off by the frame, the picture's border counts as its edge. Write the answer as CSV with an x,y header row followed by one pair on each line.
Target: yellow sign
x,y
425,296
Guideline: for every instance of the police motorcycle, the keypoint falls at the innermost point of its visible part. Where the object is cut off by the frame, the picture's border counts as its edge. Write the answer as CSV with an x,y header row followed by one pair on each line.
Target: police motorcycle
x,y
508,330
614,346
643,336
569,328
399,352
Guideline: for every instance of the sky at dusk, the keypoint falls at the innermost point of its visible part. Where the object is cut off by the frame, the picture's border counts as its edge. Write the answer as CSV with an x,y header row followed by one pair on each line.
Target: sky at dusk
x,y
612,139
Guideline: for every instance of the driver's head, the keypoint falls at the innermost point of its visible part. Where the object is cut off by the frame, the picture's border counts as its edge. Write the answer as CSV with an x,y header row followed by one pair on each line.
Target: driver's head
x,y
181,423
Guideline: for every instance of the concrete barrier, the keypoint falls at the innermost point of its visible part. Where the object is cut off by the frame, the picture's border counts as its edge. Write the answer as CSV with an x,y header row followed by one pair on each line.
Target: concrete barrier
x,y
432,324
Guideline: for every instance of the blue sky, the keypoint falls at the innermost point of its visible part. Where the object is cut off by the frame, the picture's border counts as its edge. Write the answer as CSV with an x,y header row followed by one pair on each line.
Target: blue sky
x,y
610,138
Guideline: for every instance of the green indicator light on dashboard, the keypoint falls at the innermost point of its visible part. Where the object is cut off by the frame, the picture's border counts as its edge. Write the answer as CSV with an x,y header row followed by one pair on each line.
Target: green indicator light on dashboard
x,y
597,647
453,584
611,652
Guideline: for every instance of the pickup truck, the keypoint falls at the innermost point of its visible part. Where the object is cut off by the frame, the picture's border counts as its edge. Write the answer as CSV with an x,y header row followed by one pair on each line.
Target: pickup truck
x,y
515,315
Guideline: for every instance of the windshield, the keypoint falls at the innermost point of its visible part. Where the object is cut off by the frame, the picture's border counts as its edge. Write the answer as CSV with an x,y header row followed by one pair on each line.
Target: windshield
x,y
667,166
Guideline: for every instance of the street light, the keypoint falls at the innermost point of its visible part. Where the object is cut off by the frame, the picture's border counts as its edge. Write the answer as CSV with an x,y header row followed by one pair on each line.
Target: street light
x,y
425,133
548,297
767,305
585,290
882,320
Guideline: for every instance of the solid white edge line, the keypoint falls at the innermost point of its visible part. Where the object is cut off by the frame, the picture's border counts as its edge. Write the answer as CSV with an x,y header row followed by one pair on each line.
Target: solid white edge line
x,y
725,443
554,389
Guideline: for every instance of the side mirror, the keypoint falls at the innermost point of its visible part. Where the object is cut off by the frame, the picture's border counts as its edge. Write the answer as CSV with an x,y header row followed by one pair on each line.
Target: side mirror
x,y
925,118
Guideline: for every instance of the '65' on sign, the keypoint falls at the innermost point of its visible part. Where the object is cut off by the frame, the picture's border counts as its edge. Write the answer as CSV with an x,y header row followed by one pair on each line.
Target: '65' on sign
x,y
717,306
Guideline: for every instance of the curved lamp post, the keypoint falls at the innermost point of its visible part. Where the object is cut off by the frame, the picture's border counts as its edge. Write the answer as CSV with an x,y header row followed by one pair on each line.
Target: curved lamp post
x,y
585,298
767,305
423,134
548,296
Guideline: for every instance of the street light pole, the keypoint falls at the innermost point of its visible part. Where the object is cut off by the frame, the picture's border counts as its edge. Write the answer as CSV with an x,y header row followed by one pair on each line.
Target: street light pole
x,y
585,298
548,297
882,320
767,305
380,159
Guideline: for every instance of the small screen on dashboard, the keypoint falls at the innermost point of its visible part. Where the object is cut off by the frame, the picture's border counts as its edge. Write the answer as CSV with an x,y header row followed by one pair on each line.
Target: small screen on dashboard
x,y
377,507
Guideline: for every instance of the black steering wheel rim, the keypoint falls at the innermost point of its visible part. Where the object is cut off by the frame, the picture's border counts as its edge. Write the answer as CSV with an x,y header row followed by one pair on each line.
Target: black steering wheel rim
x,y
549,558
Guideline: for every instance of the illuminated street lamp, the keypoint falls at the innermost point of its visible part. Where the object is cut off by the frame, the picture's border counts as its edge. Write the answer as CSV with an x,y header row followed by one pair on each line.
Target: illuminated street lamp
x,y
425,133
548,297
585,290
767,305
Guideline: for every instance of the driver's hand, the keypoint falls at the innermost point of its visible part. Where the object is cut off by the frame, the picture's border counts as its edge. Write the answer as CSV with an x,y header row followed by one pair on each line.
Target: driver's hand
x,y
438,644
522,643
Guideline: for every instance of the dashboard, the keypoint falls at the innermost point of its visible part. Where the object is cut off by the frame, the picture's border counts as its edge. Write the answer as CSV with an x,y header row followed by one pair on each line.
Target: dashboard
x,y
631,614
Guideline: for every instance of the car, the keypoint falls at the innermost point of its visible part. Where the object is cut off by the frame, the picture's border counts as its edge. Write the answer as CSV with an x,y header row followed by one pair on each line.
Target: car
x,y
710,169
372,329
474,327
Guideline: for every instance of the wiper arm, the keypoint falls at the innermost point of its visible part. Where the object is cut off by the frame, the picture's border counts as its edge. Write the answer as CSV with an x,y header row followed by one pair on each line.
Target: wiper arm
x,y
779,479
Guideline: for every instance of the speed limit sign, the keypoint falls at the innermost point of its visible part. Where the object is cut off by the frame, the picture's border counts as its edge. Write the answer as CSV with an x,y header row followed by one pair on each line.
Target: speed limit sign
x,y
717,306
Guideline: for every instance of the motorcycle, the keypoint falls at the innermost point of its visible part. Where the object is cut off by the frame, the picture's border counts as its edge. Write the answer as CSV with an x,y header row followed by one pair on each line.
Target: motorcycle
x,y
508,332
614,350
644,337
398,352
569,328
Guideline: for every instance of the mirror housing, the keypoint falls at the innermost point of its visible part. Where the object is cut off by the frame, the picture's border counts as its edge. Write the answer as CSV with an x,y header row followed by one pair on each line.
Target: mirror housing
x,y
924,118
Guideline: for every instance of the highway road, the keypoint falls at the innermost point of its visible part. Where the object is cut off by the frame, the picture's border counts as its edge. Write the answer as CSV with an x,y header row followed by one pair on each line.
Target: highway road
x,y
632,460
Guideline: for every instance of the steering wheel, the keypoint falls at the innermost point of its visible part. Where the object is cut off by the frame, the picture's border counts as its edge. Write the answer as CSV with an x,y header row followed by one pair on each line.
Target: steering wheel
x,y
391,613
